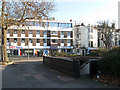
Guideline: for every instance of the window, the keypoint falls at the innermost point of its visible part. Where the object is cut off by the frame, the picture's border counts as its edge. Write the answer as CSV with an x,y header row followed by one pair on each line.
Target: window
x,y
44,40
62,41
27,23
69,33
40,24
8,31
53,24
68,25
56,24
62,33
32,23
23,40
91,30
30,40
46,24
23,31
54,32
88,36
38,32
36,23
7,40
54,41
38,40
91,43
91,36
68,41
15,40
15,31
45,33
43,24
60,25
30,32
88,29
77,50
63,25
50,24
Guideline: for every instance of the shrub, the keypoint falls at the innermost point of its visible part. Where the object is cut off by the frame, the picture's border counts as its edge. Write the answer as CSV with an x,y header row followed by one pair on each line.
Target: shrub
x,y
74,55
57,54
110,63
63,54
99,52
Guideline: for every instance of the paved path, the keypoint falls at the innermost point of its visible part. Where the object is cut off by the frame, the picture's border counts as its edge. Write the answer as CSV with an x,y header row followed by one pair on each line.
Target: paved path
x,y
27,74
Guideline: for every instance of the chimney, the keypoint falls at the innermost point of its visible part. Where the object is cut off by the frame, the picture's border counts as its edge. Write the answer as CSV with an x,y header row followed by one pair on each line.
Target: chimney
x,y
71,20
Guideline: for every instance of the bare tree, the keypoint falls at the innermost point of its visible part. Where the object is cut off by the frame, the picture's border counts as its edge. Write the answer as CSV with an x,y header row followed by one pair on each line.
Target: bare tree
x,y
15,13
106,33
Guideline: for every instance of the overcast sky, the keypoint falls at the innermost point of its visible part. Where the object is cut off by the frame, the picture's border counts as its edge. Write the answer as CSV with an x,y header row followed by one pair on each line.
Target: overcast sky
x,y
87,11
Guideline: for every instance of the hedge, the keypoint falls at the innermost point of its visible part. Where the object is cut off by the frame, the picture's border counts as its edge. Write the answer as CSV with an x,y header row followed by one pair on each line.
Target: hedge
x,y
110,63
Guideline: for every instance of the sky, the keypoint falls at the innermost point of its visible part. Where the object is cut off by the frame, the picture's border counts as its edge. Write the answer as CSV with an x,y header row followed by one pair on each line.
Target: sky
x,y
86,11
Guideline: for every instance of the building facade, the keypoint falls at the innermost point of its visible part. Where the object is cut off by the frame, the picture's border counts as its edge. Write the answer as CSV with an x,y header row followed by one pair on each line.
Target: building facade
x,y
116,38
85,39
48,36
119,15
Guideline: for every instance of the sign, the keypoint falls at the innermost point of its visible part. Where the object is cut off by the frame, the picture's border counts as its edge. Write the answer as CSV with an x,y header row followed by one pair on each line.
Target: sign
x,y
54,47
30,51
18,47
12,47
8,51
12,44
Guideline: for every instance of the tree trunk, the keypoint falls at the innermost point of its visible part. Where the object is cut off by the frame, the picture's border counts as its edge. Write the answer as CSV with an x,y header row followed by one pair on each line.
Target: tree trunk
x,y
4,47
4,57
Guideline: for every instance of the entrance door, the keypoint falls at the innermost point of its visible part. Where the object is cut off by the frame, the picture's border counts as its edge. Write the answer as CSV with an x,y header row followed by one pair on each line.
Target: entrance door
x,y
15,52
83,52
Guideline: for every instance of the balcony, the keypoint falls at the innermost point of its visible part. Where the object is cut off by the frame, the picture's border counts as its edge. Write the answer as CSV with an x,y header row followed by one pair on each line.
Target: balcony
x,y
68,44
62,44
14,35
44,44
22,35
38,44
61,36
22,44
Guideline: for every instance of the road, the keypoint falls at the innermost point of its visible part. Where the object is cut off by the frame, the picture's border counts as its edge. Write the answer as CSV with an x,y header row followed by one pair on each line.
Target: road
x,y
33,74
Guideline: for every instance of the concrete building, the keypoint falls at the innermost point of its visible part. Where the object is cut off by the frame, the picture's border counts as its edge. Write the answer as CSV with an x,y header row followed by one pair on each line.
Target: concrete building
x,y
119,15
116,38
85,38
0,44
48,36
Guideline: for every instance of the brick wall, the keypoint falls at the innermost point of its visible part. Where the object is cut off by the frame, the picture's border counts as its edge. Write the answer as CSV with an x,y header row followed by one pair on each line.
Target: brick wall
x,y
26,33
19,33
59,34
11,32
26,42
41,42
19,42
58,42
65,34
34,33
65,42
41,33
34,42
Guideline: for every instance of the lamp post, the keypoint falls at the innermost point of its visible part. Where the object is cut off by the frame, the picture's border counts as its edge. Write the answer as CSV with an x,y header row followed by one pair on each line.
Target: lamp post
x,y
28,42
